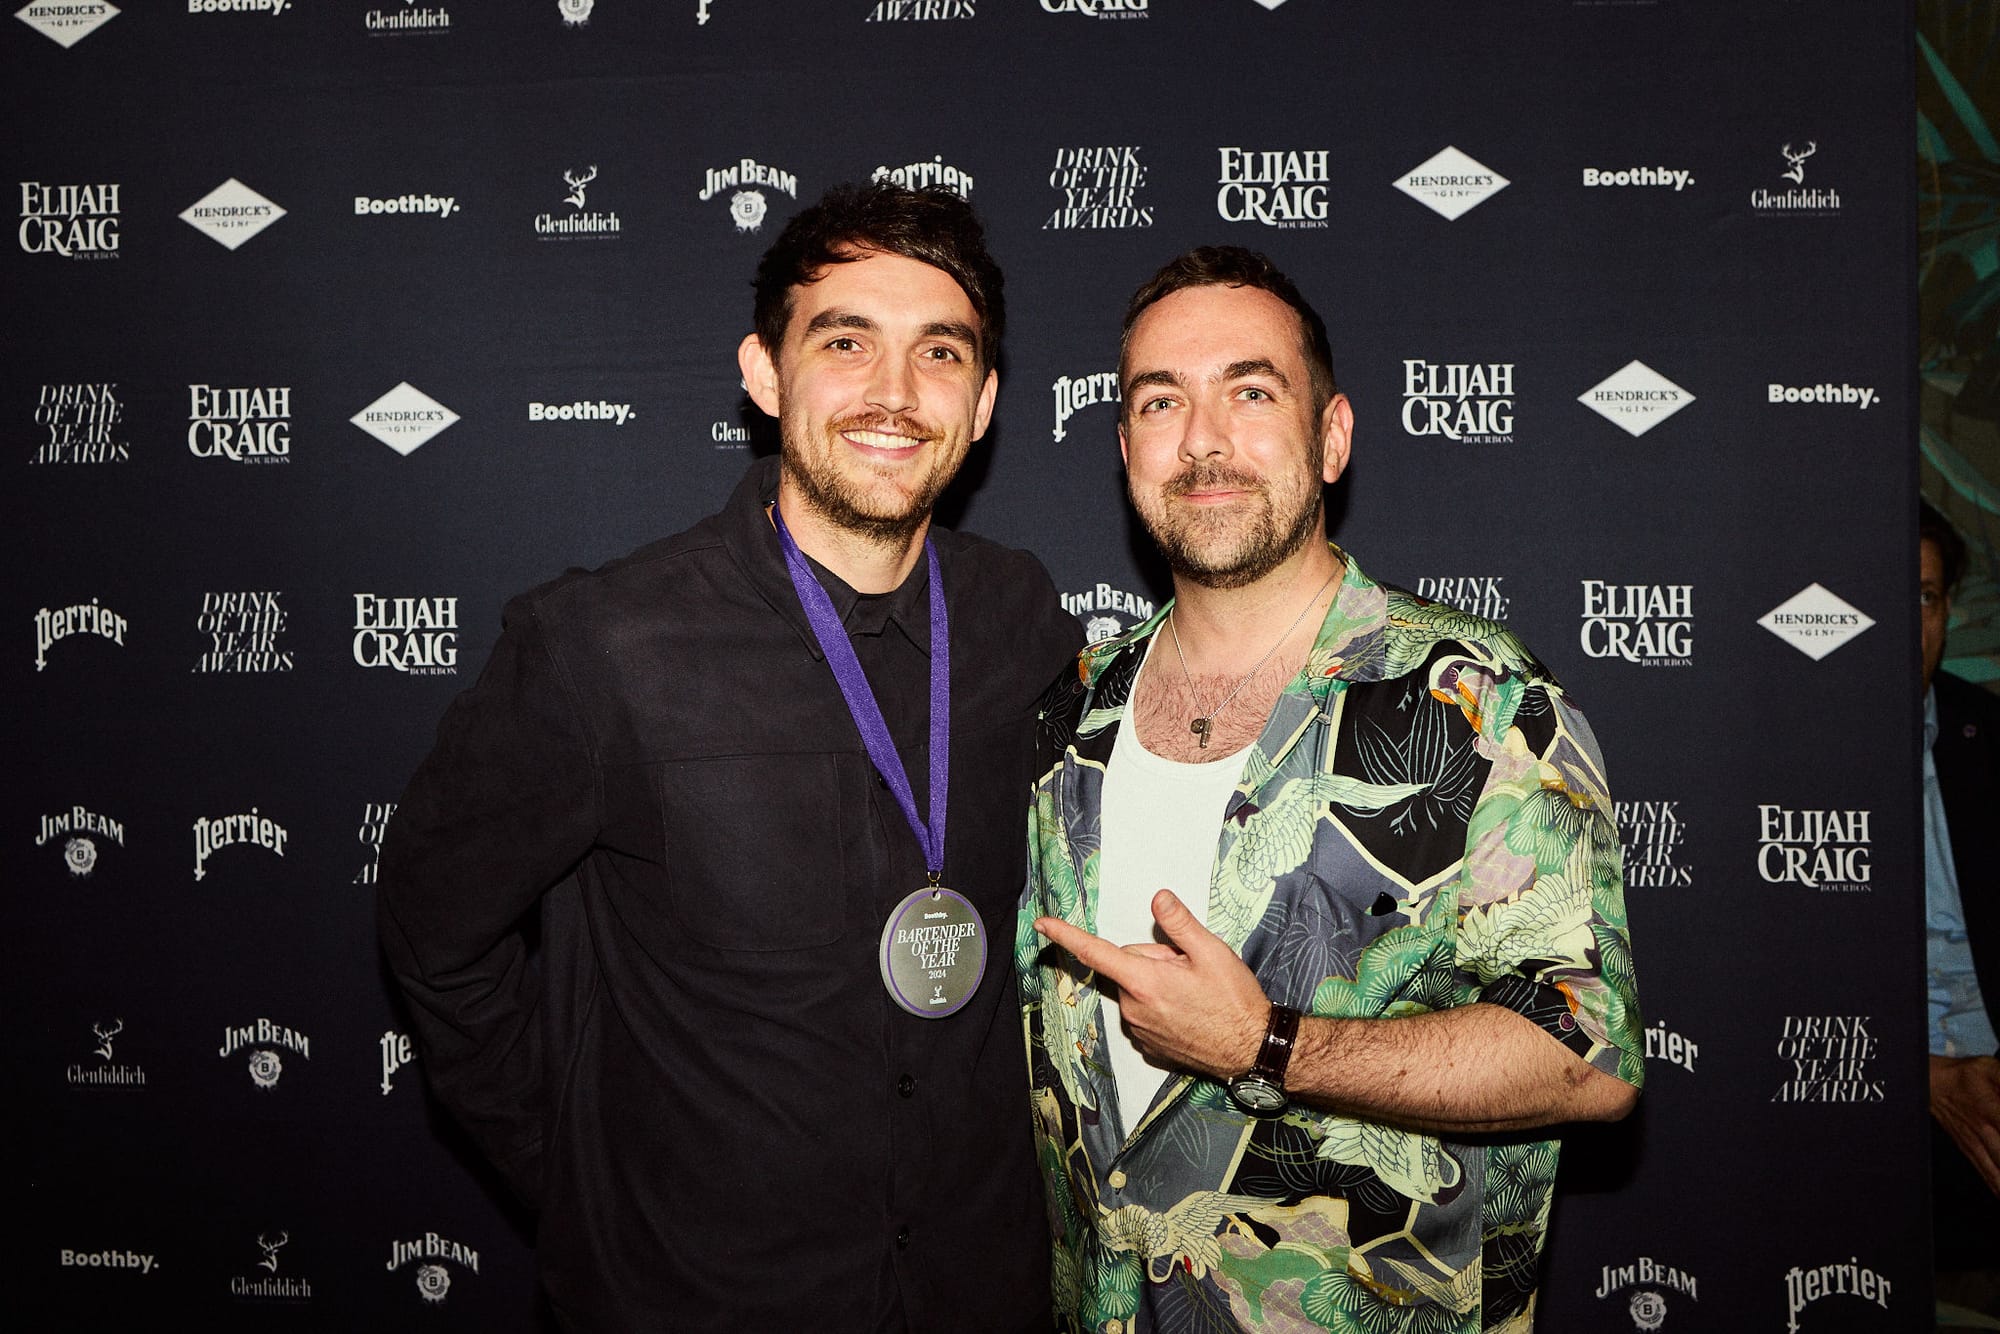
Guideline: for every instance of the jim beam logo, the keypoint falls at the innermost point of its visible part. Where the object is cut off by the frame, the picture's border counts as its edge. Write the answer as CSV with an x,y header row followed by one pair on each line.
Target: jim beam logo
x,y
576,13
1795,199
85,424
78,831
1283,188
1101,189
919,11
405,418
1465,402
69,221
1803,1287
1099,9
1648,1282
102,1071
264,1042
1826,850
1651,834
231,214
414,635
66,22
1451,184
1107,611
397,1052
246,632
1647,625
252,828
269,1284
1827,1058
408,21
1815,621
374,825
576,221
745,182
1635,398
582,410
55,624
1075,393
936,174
432,1253
271,7
241,424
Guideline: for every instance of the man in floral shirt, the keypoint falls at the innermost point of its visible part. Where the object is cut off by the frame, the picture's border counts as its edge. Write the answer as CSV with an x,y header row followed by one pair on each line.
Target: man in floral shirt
x,y
1324,913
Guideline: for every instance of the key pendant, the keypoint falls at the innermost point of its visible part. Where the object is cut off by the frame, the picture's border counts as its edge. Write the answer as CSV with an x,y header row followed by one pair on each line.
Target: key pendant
x,y
1200,728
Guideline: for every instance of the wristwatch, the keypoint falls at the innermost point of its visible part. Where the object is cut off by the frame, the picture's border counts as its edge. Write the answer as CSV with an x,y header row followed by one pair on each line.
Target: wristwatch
x,y
1260,1090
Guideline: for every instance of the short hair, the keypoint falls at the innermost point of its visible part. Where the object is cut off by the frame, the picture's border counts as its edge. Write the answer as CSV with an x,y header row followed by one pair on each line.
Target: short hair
x,y
934,227
1234,266
1932,526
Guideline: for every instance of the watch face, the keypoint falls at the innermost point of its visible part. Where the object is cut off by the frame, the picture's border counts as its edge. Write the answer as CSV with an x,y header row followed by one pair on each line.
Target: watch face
x,y
1254,1093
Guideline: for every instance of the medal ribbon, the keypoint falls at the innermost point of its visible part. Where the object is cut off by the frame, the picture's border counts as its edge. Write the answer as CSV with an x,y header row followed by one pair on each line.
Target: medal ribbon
x,y
867,714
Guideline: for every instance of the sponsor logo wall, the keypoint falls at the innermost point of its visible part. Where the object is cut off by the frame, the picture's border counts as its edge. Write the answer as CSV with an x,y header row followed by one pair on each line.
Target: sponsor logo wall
x,y
355,320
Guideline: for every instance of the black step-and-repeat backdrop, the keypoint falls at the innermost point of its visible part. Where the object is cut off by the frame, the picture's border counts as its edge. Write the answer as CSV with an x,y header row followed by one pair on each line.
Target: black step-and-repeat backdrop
x,y
330,324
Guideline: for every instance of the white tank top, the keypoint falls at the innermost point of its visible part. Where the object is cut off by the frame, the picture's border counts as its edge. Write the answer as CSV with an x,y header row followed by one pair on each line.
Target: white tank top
x,y
1160,821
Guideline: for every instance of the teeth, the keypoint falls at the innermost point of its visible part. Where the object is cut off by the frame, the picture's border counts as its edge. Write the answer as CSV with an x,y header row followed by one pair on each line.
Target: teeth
x,y
883,440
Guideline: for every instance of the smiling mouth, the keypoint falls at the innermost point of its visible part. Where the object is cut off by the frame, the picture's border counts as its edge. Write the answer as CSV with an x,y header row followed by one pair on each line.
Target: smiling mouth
x,y
882,439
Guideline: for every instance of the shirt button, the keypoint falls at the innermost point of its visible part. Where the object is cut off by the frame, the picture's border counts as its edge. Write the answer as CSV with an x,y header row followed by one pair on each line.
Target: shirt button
x,y
902,1236
1114,1327
1116,1180
907,1085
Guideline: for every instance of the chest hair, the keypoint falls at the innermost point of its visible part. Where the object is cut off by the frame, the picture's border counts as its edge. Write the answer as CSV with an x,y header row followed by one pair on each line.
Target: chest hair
x,y
1163,706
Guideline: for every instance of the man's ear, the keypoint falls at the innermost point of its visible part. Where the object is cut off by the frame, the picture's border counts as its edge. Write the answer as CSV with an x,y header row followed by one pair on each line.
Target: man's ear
x,y
1124,453
760,373
1336,433
982,412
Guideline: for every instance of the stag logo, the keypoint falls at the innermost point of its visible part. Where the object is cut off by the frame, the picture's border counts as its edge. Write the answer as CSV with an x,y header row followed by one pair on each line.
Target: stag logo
x,y
1797,175
576,185
575,13
104,1036
271,1249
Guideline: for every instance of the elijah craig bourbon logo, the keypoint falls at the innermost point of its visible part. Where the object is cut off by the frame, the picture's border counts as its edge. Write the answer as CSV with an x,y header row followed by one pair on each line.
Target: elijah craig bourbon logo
x,y
69,221
414,635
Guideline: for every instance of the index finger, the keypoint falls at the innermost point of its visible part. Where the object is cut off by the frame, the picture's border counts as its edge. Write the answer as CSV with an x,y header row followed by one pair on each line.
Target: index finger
x,y
1093,952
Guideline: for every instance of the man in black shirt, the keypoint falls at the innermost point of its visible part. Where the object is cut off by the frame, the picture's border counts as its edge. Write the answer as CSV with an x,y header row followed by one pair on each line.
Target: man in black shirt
x,y
733,1102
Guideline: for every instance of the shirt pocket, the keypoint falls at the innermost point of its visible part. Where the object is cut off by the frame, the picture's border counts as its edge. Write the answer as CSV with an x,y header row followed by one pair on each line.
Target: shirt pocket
x,y
755,849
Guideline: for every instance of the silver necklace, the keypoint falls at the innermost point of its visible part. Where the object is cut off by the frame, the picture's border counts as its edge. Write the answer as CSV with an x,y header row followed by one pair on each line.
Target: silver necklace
x,y
1205,720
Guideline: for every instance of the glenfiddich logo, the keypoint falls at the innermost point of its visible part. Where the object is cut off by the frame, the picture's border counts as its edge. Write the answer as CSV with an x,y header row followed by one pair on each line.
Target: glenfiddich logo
x,y
66,22
580,223
105,1073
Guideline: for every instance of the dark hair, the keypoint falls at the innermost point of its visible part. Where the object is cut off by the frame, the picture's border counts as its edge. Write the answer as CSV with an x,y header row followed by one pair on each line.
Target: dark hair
x,y
933,227
1233,266
1934,527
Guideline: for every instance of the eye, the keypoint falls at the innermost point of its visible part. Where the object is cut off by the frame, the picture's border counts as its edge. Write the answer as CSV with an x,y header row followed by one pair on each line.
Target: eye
x,y
842,344
1256,395
942,353
1156,404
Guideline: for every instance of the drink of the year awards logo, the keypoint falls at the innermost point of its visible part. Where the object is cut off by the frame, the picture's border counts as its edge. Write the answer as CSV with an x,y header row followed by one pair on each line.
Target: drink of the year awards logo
x,y
1077,392
1107,611
1651,834
1828,1058
1102,187
920,11
1278,187
1465,402
1476,594
245,631
69,221
85,423
374,825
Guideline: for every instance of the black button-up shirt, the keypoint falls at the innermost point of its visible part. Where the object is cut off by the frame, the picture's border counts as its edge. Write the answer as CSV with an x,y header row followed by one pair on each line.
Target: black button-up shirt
x,y
699,1077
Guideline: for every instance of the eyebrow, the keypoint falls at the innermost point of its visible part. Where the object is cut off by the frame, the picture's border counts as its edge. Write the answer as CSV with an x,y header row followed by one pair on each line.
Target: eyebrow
x,y
1144,379
1235,370
847,319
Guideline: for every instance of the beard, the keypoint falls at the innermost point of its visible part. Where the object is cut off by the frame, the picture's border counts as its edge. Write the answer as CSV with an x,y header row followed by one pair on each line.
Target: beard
x,y
856,499
1237,546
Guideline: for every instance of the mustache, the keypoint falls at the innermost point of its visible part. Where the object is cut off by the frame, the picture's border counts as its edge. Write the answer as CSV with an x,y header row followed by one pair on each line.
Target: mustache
x,y
900,423
1211,477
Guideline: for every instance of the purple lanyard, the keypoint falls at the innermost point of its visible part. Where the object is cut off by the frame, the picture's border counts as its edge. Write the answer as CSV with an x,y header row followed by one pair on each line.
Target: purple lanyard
x,y
832,637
